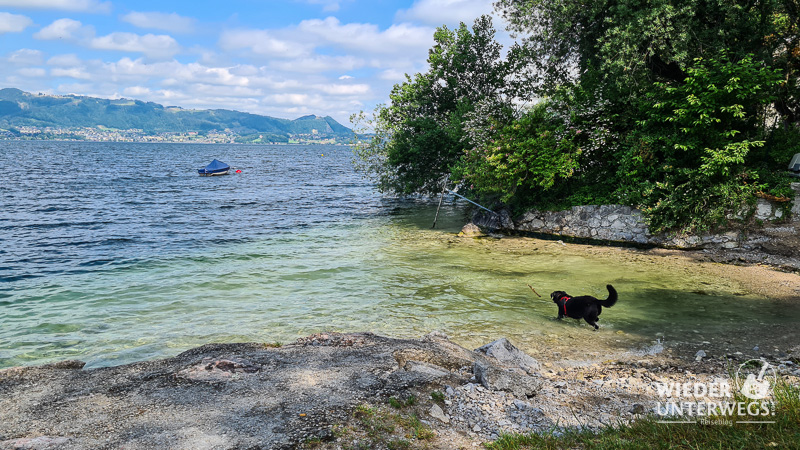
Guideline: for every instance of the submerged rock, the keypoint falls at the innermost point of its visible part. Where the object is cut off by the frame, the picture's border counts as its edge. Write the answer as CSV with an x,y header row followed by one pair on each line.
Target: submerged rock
x,y
471,230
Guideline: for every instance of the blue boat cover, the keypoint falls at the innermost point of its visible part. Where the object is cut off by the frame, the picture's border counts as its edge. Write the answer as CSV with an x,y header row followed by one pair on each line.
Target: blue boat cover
x,y
216,166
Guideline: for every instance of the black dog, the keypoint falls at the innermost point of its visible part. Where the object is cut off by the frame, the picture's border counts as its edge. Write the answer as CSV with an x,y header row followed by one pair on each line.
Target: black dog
x,y
584,307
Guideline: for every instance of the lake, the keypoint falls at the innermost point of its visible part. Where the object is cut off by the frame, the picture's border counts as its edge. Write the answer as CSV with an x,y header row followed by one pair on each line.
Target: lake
x,y
116,252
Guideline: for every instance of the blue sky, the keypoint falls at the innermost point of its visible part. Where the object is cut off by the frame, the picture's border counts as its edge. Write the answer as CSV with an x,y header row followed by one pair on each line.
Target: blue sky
x,y
283,58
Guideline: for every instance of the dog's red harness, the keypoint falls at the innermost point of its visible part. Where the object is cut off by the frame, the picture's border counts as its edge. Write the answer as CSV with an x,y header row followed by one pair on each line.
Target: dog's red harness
x,y
566,299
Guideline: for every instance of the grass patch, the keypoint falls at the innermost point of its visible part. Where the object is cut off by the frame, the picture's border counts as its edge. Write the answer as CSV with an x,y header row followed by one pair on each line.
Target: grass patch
x,y
379,427
396,403
647,433
375,424
418,430
437,397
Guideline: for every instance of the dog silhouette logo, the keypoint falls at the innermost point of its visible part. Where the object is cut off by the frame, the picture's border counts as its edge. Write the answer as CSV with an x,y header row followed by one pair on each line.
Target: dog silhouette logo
x,y
755,386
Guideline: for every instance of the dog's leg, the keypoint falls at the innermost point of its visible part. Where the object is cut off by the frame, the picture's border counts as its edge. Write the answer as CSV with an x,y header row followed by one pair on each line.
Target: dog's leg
x,y
592,321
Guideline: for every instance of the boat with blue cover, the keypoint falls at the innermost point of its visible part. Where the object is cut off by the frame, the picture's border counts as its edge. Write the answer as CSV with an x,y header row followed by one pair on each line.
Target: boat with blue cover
x,y
216,167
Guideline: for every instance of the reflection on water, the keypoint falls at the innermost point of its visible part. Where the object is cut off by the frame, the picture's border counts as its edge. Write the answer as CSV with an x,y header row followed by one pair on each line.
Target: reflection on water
x,y
362,264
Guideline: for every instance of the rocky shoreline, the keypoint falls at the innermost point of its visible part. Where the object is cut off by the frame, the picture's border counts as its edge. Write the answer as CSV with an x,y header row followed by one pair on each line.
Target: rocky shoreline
x,y
776,245
330,390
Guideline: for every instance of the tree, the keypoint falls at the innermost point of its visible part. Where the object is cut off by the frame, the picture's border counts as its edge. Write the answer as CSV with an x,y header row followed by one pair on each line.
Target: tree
x,y
421,135
686,163
528,155
623,46
689,91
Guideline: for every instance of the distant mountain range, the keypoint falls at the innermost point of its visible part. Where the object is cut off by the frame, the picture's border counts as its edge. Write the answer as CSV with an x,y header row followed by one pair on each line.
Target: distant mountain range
x,y
20,109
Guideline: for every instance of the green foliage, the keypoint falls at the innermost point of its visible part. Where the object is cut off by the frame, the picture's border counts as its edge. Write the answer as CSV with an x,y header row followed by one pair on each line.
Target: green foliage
x,y
686,109
421,135
685,162
396,403
626,44
685,98
529,154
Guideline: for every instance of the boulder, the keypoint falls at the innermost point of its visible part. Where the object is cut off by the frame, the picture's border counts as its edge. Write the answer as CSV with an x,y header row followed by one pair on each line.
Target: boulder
x,y
471,230
508,380
509,356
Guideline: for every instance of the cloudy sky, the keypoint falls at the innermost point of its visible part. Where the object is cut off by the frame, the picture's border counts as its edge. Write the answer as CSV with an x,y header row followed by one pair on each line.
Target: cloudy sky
x,y
283,58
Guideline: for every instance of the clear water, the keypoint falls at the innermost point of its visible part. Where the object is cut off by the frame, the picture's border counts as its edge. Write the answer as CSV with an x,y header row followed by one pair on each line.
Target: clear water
x,y
113,253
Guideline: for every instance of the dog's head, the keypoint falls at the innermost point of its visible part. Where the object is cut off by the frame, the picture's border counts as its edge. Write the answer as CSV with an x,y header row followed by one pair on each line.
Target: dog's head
x,y
557,295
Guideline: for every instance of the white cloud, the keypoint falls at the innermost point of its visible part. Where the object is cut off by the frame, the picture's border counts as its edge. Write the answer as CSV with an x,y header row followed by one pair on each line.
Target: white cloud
x,y
392,75
173,23
137,91
69,60
262,43
79,89
13,23
327,5
66,29
156,46
25,57
399,38
290,99
73,72
151,45
345,77
225,91
32,72
93,6
344,89
449,12
320,63
174,73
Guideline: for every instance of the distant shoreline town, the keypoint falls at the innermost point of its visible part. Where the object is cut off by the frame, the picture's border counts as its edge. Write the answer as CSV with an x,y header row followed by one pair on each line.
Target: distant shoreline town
x,y
26,116
102,134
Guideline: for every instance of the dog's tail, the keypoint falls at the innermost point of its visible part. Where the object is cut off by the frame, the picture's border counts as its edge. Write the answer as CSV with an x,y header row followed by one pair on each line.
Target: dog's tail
x,y
612,297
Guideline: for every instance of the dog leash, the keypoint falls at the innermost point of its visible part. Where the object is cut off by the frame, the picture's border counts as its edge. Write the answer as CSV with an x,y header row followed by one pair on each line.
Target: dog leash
x,y
566,299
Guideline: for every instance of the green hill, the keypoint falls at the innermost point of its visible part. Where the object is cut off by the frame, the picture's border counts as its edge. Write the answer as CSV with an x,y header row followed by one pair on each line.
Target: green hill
x,y
19,108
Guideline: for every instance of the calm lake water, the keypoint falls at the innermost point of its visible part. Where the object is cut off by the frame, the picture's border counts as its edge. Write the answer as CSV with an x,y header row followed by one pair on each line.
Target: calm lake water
x,y
113,253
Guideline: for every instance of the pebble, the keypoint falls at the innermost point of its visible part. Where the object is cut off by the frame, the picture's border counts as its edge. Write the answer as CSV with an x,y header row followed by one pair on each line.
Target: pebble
x,y
437,413
700,355
520,404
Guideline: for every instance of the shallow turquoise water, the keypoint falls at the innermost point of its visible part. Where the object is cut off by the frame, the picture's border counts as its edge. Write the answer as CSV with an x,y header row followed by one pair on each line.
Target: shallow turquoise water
x,y
112,268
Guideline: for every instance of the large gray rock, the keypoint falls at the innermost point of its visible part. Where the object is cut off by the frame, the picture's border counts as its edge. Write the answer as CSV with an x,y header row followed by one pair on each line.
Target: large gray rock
x,y
509,380
509,356
796,204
